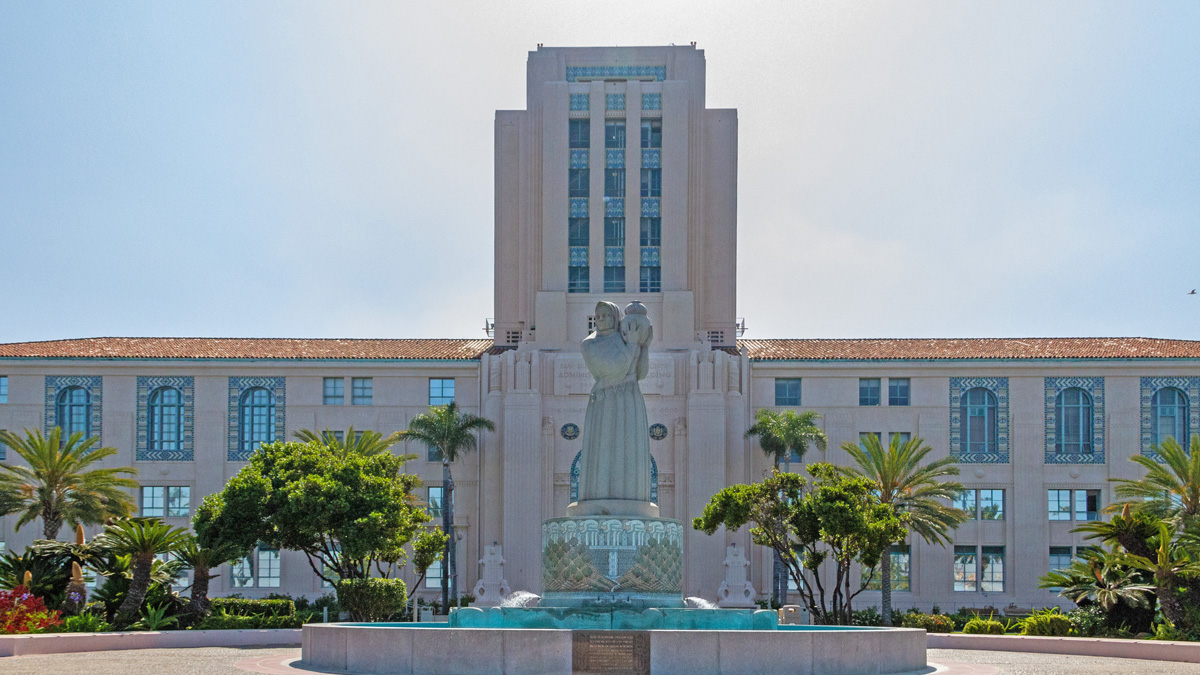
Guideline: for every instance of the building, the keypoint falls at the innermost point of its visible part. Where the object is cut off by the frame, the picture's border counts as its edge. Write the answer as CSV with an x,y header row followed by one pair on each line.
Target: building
x,y
616,182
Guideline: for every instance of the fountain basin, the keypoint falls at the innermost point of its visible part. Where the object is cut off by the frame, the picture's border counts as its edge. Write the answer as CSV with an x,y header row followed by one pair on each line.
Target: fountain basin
x,y
420,650
570,618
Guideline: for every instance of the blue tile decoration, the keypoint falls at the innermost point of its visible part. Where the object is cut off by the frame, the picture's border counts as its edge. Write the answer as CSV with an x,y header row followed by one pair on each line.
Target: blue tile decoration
x,y
614,101
651,256
186,388
580,102
238,386
579,207
579,159
999,387
1094,386
614,207
614,256
651,158
575,478
659,73
570,431
579,256
651,101
658,432
93,384
651,207
614,158
1188,385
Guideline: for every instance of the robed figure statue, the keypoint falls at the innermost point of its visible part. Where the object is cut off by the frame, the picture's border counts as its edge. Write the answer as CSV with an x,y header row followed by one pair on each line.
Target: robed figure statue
x,y
615,461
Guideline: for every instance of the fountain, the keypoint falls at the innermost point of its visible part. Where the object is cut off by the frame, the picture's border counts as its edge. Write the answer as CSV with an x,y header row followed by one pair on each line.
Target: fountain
x,y
612,577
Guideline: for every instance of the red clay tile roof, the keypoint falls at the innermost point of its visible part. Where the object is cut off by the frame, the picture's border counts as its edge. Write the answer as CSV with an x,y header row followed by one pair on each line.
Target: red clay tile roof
x,y
970,348
246,348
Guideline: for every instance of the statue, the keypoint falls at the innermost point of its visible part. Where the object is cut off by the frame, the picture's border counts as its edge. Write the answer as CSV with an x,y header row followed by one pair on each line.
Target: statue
x,y
615,464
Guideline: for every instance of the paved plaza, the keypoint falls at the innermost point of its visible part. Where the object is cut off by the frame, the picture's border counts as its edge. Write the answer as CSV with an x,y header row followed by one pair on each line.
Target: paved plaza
x,y
235,661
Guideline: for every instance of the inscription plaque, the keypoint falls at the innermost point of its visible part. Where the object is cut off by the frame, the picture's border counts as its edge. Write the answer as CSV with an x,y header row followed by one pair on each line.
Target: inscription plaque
x,y
610,652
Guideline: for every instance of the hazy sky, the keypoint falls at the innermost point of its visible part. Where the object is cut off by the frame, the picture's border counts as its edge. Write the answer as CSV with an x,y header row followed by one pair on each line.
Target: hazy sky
x,y
289,169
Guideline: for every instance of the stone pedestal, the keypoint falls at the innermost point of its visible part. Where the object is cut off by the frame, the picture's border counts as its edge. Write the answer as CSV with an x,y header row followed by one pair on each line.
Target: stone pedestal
x,y
608,561
492,588
736,590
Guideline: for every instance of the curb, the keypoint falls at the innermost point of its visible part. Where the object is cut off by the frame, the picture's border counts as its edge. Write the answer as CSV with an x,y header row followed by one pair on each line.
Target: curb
x,y
61,643
1150,650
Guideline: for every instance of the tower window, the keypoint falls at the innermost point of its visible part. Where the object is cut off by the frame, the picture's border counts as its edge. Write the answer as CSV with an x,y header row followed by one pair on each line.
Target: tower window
x,y
580,133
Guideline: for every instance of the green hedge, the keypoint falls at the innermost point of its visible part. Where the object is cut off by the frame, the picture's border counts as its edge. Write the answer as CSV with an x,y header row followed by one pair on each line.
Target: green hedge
x,y
251,607
984,627
932,623
372,599
222,621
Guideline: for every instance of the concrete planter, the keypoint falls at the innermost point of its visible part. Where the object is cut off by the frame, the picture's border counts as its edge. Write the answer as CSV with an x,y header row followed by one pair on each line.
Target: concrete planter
x,y
1153,650
61,643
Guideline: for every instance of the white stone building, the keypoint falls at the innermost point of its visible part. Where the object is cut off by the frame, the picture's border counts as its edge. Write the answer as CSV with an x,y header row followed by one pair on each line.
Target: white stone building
x,y
616,182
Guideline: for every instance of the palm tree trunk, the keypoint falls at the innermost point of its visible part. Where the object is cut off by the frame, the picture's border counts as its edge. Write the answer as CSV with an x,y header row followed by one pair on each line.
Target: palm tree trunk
x,y
448,528
198,603
778,575
885,586
139,585
51,524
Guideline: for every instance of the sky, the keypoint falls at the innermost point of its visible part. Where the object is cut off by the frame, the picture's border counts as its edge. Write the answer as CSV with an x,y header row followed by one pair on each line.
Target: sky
x,y
322,169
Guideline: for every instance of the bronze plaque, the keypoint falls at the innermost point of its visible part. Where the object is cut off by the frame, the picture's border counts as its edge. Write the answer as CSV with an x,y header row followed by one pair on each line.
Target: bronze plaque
x,y
610,652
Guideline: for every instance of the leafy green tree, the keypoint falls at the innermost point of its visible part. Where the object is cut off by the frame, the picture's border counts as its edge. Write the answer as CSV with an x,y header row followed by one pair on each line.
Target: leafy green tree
x,y
835,517
347,512
918,493
363,442
60,483
141,539
451,434
428,548
782,436
1170,490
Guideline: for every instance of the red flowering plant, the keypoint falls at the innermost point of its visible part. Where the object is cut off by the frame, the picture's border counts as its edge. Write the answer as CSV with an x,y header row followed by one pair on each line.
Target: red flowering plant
x,y
22,612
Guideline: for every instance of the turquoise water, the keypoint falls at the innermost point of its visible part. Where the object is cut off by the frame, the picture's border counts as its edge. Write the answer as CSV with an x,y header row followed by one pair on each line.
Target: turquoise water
x,y
446,625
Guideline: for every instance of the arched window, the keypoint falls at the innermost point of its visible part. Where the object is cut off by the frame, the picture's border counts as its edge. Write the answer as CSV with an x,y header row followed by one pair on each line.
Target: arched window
x,y
75,411
978,414
165,423
1073,422
1169,416
256,412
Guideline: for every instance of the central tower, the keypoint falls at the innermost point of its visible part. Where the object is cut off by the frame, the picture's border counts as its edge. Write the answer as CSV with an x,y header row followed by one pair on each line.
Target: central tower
x,y
616,182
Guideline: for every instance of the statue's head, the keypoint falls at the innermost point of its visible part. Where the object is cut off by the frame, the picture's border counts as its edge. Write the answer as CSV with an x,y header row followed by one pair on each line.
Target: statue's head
x,y
608,315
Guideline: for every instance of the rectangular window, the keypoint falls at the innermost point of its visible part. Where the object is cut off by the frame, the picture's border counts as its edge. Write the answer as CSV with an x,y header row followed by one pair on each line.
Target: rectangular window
x,y
901,570
614,182
362,391
441,391
580,132
787,391
991,575
651,182
898,390
433,575
577,279
991,504
577,232
153,501
614,279
904,437
179,501
651,280
268,567
434,508
966,501
862,436
651,133
1087,505
1060,558
577,182
3,389
868,391
965,568
614,231
335,391
651,232
1058,504
614,134
241,574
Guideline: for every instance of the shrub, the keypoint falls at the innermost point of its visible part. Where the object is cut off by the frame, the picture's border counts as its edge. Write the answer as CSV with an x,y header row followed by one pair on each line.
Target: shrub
x,y
984,627
1047,622
84,623
250,607
372,599
932,623
867,617
21,612
225,621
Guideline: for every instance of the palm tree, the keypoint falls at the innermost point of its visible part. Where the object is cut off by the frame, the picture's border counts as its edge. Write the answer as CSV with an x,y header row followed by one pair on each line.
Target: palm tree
x,y
450,433
141,539
362,442
202,560
1170,490
914,491
782,435
58,484
1102,579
